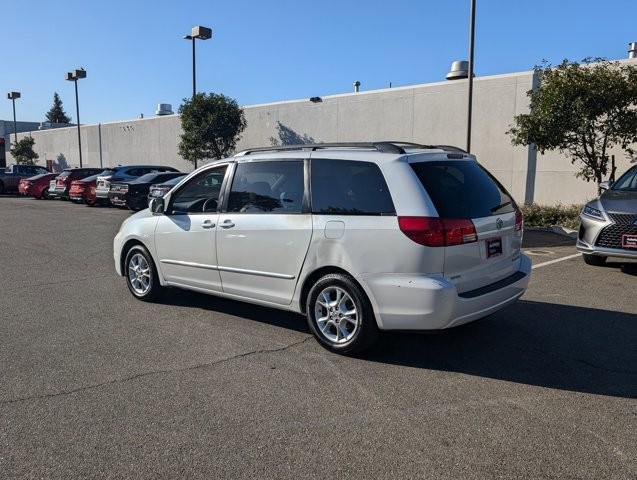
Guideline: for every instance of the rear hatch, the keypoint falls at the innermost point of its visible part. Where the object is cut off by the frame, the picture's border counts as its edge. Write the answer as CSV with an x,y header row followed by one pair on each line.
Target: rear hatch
x,y
485,245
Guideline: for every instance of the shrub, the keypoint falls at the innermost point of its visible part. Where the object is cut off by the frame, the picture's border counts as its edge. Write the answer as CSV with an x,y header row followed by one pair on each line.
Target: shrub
x,y
548,216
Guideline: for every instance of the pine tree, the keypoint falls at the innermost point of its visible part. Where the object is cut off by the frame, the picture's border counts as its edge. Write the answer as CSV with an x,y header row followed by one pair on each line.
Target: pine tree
x,y
57,113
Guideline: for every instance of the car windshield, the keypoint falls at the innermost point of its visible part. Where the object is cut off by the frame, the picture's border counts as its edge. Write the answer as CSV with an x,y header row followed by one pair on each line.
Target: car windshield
x,y
627,182
37,177
65,173
155,177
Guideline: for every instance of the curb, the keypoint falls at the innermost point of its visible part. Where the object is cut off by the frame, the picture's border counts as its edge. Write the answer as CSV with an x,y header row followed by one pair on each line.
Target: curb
x,y
558,230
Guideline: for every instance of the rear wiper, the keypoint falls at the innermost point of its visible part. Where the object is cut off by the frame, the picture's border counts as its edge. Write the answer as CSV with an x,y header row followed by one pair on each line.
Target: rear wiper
x,y
495,209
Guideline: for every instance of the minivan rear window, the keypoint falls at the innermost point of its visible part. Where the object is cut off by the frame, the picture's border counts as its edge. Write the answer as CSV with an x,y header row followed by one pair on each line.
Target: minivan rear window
x,y
463,189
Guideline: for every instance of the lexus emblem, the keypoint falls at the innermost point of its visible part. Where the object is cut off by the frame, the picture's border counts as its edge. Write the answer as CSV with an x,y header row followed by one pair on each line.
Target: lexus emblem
x,y
499,223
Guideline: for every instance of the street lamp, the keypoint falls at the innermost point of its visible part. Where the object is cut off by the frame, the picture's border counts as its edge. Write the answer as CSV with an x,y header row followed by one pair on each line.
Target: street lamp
x,y
472,23
201,33
74,76
13,96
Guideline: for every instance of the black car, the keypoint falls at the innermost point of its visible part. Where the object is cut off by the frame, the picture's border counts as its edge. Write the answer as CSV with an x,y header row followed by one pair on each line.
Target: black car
x,y
134,193
161,189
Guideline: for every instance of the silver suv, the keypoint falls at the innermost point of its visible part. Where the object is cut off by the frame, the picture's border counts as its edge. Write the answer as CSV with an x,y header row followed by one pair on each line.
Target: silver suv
x,y
608,224
358,237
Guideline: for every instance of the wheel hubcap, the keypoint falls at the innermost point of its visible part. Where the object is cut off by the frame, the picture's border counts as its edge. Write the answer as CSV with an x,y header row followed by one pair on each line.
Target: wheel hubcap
x,y
335,315
139,274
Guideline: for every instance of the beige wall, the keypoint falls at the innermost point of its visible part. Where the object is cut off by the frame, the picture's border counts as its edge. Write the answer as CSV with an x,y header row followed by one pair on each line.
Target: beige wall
x,y
432,113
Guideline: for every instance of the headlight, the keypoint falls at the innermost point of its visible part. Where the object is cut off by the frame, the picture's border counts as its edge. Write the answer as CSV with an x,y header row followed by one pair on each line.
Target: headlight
x,y
593,213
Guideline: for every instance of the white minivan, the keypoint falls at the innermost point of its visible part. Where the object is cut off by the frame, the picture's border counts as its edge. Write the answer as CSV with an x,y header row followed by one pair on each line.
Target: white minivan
x,y
359,237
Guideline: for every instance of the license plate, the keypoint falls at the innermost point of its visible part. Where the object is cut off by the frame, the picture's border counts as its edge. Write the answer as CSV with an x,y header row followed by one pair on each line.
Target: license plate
x,y
494,247
629,241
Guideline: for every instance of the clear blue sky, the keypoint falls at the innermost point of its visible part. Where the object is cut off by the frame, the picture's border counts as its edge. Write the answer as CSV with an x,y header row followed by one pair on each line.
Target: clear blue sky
x,y
265,51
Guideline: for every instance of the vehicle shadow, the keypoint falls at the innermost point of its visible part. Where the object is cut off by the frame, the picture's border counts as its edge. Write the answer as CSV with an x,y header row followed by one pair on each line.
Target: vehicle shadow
x,y
539,239
545,344
270,316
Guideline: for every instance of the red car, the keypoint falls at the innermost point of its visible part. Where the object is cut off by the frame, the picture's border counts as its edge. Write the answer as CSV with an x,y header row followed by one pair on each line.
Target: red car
x,y
37,187
84,190
62,185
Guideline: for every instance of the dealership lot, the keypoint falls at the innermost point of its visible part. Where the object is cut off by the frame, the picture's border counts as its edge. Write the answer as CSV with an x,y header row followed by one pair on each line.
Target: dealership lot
x,y
98,384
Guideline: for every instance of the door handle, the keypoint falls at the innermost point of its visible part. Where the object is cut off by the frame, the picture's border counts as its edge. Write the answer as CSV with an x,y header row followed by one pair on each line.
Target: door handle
x,y
227,224
207,224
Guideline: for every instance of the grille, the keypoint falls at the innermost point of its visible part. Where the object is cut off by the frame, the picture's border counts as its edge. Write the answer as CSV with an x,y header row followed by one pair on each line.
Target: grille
x,y
611,236
623,218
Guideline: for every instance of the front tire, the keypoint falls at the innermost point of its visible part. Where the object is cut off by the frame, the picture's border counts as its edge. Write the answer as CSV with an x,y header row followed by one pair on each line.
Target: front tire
x,y
141,274
595,260
340,315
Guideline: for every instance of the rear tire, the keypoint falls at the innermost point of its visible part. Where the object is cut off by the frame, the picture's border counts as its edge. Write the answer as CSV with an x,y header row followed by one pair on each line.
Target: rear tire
x,y
141,274
340,315
595,260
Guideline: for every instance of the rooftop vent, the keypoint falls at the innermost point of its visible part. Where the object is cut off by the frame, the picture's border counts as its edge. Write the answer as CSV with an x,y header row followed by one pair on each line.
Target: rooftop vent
x,y
632,50
164,109
459,70
357,86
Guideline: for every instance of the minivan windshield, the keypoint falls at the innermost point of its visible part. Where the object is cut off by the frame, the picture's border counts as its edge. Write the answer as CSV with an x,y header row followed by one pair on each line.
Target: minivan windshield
x,y
463,189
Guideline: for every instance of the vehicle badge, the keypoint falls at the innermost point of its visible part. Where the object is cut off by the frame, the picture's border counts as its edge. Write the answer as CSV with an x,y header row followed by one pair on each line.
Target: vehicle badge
x,y
499,223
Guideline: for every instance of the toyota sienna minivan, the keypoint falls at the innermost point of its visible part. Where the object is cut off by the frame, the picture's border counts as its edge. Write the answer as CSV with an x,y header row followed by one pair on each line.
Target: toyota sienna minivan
x,y
357,237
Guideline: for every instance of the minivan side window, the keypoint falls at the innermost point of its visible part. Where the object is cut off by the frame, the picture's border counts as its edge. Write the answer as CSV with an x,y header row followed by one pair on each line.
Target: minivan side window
x,y
201,193
267,187
344,187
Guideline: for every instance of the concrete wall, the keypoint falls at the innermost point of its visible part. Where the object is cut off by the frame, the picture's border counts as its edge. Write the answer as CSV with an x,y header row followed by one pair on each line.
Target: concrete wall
x,y
432,113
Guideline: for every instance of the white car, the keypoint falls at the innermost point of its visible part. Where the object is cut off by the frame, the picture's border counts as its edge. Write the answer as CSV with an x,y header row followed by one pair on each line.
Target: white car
x,y
358,237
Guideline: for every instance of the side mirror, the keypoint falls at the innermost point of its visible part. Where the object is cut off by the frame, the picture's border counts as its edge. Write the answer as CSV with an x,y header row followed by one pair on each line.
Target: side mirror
x,y
156,205
605,185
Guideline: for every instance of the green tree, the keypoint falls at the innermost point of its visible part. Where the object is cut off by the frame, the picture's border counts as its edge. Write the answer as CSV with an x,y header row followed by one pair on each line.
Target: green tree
x,y
212,125
57,114
582,110
23,151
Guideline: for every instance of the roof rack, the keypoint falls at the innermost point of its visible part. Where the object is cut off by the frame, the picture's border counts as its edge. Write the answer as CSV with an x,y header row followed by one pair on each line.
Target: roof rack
x,y
383,147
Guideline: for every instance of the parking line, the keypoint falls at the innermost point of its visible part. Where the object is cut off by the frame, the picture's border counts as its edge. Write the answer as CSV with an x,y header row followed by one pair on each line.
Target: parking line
x,y
551,262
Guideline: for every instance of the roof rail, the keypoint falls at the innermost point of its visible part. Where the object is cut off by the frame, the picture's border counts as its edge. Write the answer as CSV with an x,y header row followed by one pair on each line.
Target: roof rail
x,y
383,147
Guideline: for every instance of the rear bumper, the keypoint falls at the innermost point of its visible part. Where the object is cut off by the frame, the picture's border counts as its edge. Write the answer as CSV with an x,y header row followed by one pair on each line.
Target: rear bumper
x,y
417,302
101,194
58,192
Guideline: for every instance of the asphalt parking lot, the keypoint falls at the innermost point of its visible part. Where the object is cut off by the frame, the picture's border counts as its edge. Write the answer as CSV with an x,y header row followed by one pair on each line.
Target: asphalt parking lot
x,y
97,384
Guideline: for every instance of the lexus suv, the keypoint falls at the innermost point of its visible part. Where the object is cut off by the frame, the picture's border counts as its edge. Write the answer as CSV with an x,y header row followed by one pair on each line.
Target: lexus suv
x,y
608,224
357,237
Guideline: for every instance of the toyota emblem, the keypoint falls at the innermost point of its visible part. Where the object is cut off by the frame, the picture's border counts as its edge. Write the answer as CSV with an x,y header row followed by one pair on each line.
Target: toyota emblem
x,y
499,223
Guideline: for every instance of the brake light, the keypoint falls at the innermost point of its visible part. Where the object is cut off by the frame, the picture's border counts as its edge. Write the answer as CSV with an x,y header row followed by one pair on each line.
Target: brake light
x,y
438,232
519,221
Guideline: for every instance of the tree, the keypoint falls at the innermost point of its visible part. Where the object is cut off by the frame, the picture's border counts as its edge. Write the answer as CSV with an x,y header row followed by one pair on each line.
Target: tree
x,y
582,110
212,125
23,151
57,114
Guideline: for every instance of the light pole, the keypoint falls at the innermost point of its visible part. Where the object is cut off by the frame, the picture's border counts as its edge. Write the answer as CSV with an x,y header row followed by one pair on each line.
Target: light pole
x,y
13,96
472,23
201,33
74,76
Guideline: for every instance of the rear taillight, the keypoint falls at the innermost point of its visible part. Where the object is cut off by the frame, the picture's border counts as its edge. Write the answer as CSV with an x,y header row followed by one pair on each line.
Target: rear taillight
x,y
438,232
519,221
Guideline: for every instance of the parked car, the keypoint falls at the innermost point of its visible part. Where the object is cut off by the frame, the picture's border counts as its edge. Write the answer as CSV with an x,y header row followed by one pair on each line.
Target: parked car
x,y
11,176
83,191
134,193
358,237
123,174
161,189
37,186
60,186
608,224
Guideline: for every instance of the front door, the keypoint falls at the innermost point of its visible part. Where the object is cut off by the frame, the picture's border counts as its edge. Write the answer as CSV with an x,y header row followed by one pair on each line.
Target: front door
x,y
185,235
265,230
